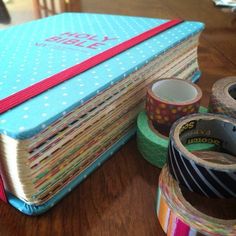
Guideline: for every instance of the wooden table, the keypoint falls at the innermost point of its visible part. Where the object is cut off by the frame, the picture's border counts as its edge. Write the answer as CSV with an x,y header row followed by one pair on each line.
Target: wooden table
x,y
119,198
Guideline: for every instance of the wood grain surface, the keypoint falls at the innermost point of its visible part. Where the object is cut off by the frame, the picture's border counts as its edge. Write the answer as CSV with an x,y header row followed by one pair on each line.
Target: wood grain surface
x,y
119,198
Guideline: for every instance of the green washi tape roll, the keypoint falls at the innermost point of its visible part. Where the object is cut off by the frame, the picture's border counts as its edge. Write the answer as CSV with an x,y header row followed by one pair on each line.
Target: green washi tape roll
x,y
153,146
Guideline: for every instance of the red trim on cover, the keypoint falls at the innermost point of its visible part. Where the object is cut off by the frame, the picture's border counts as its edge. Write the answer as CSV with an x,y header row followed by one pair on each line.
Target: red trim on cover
x,y
2,191
40,87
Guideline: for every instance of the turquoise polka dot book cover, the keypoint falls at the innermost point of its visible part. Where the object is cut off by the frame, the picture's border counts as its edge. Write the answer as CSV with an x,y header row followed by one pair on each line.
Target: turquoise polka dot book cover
x,y
71,87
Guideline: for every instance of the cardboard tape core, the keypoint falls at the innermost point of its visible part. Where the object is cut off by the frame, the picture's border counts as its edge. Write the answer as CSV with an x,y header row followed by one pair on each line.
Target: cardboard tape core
x,y
174,90
232,91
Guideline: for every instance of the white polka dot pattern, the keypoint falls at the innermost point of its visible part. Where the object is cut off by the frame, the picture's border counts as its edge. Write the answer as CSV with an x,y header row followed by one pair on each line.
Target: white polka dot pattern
x,y
26,58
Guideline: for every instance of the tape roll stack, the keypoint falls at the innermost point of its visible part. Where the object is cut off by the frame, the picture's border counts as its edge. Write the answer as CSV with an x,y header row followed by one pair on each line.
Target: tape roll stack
x,y
209,173
215,178
169,99
223,97
153,146
179,218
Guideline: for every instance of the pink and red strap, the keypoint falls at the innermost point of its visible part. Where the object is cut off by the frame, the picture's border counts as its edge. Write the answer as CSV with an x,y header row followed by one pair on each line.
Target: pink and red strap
x,y
2,191
40,87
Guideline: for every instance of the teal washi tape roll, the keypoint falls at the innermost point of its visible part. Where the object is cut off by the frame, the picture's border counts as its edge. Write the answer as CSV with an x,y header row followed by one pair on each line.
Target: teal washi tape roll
x,y
153,145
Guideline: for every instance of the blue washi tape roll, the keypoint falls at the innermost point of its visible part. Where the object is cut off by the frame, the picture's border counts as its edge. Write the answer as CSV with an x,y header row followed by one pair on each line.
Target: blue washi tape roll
x,y
215,177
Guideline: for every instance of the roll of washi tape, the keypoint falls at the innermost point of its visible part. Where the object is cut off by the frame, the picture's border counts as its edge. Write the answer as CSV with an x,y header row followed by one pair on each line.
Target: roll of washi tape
x,y
169,99
223,97
178,217
212,178
153,146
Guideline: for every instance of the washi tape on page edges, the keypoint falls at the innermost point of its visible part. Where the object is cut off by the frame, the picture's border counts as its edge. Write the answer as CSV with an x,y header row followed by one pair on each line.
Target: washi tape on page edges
x,y
223,97
169,99
178,217
153,146
212,178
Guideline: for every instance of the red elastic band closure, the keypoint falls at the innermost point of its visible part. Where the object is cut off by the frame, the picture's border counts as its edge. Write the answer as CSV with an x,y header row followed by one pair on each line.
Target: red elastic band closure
x,y
52,81
2,191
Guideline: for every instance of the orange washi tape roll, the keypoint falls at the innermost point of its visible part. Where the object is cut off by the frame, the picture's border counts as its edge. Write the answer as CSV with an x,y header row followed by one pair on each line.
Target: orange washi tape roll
x,y
169,99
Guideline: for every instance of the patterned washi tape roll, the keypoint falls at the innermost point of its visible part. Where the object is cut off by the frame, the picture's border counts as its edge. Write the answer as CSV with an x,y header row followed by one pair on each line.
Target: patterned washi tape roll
x,y
153,146
223,97
178,217
169,99
212,178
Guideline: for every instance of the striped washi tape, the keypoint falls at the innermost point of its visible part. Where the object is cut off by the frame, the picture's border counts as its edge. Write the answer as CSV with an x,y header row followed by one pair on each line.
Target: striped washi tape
x,y
169,99
178,217
223,97
210,177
